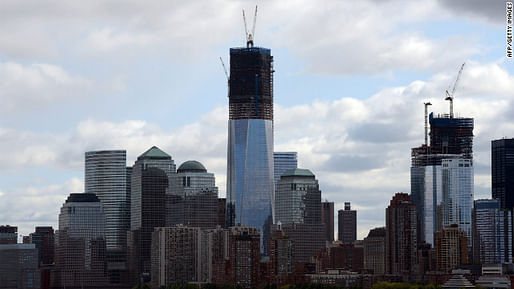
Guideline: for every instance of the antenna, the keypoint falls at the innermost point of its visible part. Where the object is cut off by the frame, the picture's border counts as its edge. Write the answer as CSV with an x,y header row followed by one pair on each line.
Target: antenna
x,y
450,96
426,122
250,36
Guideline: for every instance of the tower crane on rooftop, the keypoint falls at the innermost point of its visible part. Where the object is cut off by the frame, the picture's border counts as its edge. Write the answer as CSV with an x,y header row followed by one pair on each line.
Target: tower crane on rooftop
x,y
250,35
449,96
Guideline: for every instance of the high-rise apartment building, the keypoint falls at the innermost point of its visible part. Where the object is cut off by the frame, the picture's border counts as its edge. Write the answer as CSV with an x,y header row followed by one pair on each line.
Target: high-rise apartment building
x,y
374,251
151,176
193,197
492,233
502,172
284,161
250,187
451,248
401,237
176,255
298,198
327,218
457,194
80,243
105,176
347,224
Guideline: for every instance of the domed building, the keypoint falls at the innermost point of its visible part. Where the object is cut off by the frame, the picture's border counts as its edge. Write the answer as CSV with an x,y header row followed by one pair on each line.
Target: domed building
x,y
193,197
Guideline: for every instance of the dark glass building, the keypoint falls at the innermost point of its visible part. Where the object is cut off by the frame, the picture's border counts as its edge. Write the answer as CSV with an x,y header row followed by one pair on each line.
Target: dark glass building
x,y
250,186
8,234
327,218
150,183
502,172
449,135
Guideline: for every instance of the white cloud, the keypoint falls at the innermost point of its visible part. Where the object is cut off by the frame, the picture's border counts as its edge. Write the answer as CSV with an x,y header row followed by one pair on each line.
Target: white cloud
x,y
27,87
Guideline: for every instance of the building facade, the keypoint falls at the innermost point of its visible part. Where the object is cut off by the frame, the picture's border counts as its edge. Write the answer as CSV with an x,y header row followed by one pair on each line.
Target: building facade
x,y
8,234
283,161
492,233
19,266
151,175
298,198
374,251
401,237
458,194
451,248
502,172
327,218
193,197
80,243
250,186
347,224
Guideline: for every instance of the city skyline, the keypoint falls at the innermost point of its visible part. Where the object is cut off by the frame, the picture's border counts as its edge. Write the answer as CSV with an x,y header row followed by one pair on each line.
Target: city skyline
x,y
352,120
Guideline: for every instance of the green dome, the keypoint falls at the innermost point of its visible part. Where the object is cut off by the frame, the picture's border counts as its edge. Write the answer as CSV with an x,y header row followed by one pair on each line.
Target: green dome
x,y
192,166
298,173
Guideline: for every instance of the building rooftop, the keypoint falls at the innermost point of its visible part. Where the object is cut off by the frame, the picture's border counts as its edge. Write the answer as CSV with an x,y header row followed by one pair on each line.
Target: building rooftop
x,y
298,173
82,198
155,153
192,166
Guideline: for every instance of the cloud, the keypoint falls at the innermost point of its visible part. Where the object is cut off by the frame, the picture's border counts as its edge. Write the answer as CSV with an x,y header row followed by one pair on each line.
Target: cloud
x,y
491,11
30,87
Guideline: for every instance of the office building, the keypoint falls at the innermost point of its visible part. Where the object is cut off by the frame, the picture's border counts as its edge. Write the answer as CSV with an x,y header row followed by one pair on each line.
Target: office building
x,y
401,237
193,197
151,176
8,235
222,208
374,251
308,239
502,172
283,161
19,266
250,187
451,135
105,176
451,248
457,194
492,233
298,198
327,218
346,256
80,243
347,224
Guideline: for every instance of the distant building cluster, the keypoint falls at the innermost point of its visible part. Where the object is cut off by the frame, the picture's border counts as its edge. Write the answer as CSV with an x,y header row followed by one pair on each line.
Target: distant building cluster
x,y
155,224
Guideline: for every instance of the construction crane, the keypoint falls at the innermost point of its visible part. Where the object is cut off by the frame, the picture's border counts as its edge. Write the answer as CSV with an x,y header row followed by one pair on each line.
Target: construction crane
x,y
224,69
250,36
449,96
426,122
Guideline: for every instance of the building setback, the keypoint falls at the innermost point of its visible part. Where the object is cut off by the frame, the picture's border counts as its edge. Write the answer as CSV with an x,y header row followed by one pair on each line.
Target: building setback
x,y
347,224
502,172
250,186
401,237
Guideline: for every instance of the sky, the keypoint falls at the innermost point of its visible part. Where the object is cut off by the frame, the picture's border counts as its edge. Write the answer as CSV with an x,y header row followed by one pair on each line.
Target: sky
x,y
351,78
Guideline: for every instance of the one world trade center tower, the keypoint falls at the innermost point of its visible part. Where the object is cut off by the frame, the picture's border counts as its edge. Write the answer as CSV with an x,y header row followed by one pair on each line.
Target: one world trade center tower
x,y
250,189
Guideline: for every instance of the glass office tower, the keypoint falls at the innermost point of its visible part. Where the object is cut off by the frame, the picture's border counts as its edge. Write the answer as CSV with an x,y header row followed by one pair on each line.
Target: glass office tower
x,y
250,185
105,176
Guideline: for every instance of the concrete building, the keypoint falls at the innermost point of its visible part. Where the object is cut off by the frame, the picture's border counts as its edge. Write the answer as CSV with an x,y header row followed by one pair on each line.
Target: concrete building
x,y
347,224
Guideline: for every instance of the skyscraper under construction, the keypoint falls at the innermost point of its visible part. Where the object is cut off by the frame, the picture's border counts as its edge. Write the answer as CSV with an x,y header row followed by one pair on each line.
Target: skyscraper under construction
x,y
250,186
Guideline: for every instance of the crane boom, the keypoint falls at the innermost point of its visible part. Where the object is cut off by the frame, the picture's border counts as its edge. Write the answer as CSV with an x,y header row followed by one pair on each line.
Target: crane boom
x,y
250,35
254,21
449,96
224,68
246,29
